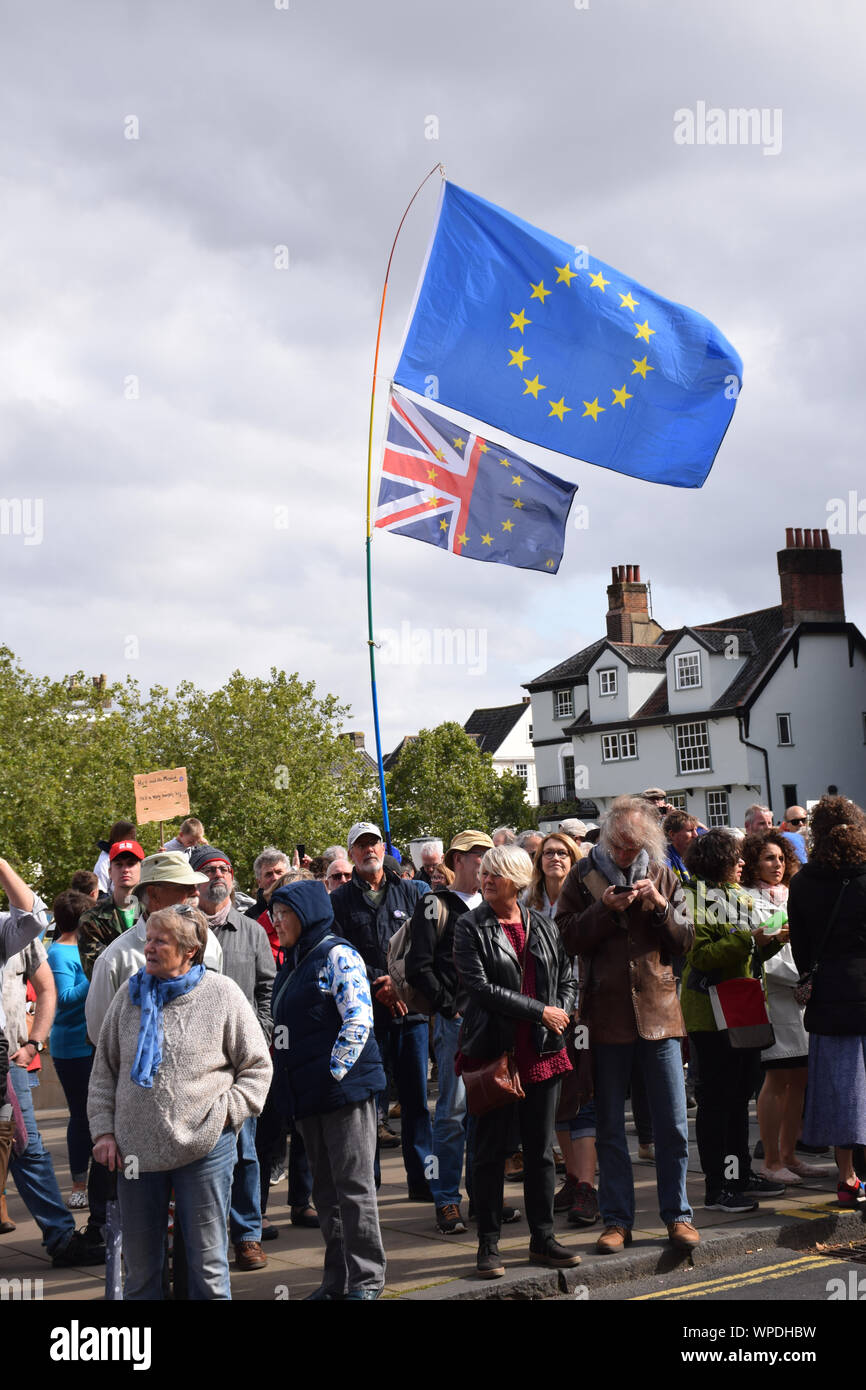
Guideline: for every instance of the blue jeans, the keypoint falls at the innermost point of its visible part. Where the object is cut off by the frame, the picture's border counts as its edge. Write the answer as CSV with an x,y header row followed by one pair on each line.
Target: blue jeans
x,y
34,1174
404,1048
201,1208
449,1121
662,1067
245,1215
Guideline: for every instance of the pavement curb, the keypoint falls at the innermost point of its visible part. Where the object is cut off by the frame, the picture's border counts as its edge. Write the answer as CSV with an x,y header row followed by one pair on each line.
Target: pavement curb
x,y
644,1259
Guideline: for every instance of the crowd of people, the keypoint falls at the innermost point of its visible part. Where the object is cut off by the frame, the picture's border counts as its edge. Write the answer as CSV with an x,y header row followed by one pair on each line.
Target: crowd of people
x,y
209,1041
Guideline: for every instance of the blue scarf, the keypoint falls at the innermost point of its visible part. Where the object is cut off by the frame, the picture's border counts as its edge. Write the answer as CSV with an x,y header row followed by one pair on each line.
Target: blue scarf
x,y
152,995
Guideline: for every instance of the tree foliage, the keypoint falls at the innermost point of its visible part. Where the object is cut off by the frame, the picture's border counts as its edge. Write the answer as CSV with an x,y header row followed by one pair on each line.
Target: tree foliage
x,y
265,760
442,784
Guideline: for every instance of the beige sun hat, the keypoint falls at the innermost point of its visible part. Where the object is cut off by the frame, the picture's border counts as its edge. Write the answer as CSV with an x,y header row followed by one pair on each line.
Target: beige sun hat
x,y
169,866
466,840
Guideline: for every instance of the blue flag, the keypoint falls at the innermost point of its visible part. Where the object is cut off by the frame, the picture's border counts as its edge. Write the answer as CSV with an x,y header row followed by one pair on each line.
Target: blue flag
x,y
452,488
524,332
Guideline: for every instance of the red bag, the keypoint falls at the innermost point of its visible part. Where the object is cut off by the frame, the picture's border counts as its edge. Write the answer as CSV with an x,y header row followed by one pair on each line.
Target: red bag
x,y
739,1009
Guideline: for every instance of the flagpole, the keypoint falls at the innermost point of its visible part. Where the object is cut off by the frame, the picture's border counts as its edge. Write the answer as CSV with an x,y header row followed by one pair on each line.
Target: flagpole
x,y
371,645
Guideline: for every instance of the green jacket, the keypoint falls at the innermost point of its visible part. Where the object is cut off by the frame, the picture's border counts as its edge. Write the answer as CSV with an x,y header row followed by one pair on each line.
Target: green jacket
x,y
99,927
723,949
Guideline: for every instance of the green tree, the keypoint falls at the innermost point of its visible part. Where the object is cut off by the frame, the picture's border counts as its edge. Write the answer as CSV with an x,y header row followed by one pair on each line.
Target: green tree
x,y
265,759
442,784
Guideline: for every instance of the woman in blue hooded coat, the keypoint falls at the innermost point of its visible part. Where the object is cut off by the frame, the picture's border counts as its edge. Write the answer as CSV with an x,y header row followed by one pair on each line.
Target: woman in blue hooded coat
x,y
327,1058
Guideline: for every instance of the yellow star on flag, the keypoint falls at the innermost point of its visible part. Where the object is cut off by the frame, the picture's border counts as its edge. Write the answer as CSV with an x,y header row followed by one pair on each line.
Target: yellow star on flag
x,y
508,525
621,396
550,564
504,462
641,368
432,501
432,474
593,408
517,502
598,281
518,357
462,538
443,525
628,302
482,447
538,291
519,320
558,408
517,481
533,387
644,330
564,273
439,454
460,442
487,540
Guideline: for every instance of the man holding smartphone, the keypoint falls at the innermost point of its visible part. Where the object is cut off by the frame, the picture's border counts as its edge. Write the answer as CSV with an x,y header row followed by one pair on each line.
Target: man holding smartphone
x,y
623,911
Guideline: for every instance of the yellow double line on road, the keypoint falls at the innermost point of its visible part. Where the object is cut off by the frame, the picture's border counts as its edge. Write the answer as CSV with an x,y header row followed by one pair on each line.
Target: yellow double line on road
x,y
737,1281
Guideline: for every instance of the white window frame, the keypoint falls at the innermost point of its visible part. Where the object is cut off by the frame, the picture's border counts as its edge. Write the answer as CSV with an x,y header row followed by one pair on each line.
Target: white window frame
x,y
612,746
686,765
612,683
721,804
677,800
685,662
524,774
784,742
558,712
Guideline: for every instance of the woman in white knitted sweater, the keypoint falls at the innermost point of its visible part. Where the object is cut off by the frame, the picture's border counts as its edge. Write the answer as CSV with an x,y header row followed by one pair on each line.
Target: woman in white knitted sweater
x,y
180,1063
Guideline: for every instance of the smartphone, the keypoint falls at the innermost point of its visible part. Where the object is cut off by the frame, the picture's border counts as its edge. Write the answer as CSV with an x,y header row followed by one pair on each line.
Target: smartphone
x,y
302,849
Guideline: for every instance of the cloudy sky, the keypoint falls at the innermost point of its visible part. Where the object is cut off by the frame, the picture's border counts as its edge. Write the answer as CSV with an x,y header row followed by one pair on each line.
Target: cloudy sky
x,y
191,418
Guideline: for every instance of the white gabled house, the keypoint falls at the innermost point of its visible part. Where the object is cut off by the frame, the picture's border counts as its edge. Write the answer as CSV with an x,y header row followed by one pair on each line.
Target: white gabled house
x,y
506,733
767,706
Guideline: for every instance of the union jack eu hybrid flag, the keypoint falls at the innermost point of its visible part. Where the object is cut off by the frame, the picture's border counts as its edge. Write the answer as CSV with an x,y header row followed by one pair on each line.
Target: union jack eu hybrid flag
x,y
452,488
547,343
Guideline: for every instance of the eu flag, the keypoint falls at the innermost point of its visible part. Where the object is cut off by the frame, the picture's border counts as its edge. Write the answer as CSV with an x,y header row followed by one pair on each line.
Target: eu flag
x,y
543,341
454,489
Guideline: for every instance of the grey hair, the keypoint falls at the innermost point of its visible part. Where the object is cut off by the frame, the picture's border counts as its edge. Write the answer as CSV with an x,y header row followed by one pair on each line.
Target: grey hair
x,y
751,810
648,828
270,855
437,845
510,837
511,862
526,835
187,924
334,852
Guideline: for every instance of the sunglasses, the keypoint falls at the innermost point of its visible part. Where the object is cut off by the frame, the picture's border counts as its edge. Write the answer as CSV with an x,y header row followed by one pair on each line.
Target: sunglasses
x,y
798,820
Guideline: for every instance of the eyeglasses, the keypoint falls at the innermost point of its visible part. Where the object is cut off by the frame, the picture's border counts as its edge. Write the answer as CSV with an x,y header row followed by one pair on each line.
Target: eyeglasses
x,y
344,878
798,820
557,853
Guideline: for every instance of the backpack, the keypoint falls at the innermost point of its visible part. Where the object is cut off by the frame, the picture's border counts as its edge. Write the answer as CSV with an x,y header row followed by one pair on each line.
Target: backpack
x,y
398,950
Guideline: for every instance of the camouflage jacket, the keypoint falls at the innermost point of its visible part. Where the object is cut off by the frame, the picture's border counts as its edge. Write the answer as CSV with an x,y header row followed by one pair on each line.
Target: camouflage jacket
x,y
99,927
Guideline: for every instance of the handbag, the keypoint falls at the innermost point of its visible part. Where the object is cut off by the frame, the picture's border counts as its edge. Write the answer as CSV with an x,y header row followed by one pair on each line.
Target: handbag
x,y
805,984
740,1010
497,1083
493,1085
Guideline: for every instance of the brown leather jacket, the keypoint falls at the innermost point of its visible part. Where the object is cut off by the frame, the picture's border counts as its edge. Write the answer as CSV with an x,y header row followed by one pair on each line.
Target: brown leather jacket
x,y
627,985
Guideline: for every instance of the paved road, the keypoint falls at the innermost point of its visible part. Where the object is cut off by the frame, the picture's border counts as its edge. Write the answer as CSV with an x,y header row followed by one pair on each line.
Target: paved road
x,y
774,1276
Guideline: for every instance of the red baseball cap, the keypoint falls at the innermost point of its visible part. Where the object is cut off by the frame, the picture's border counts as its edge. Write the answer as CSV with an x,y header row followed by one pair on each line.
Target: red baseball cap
x,y
126,847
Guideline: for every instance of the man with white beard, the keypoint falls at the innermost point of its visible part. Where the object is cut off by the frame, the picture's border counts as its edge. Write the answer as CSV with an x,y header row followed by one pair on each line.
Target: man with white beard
x,y
248,960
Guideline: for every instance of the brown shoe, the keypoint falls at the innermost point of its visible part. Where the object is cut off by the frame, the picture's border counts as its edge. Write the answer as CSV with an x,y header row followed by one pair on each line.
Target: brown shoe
x,y
5,1224
683,1235
249,1255
514,1167
612,1240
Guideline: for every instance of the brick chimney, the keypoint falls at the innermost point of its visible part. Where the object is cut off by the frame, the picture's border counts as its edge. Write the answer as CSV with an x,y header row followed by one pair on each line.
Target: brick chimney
x,y
628,618
357,741
810,575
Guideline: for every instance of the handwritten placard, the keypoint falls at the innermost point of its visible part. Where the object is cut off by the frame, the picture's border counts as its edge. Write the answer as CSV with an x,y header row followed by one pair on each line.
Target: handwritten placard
x,y
161,795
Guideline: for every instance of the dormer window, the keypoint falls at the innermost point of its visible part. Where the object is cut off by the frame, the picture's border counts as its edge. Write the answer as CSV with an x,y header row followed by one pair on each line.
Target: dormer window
x,y
607,681
688,670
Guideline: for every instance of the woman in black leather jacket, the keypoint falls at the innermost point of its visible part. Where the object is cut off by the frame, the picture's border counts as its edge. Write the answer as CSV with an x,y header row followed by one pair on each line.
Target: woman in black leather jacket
x,y
516,995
